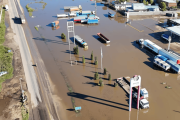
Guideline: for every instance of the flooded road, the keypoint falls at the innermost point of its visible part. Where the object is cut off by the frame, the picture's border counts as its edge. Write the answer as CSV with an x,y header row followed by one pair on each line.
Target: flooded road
x,y
123,57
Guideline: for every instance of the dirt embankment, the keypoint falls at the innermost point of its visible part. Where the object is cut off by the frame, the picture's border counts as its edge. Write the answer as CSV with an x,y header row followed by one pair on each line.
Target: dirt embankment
x,y
10,95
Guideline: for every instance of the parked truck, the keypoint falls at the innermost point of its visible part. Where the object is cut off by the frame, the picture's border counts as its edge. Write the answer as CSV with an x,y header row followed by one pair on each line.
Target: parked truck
x,y
6,7
22,18
152,46
143,103
81,41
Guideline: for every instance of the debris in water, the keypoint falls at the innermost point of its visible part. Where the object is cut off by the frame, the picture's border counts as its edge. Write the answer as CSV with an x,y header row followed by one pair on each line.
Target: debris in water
x,y
163,83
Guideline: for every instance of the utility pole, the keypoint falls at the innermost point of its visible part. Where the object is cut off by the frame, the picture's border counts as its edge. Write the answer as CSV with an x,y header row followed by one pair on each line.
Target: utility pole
x,y
169,41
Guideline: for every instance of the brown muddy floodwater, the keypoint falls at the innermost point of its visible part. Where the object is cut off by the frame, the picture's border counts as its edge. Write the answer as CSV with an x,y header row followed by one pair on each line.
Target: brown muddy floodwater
x,y
122,58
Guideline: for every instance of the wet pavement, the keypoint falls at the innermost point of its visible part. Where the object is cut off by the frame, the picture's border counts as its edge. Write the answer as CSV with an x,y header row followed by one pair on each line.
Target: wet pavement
x,y
123,57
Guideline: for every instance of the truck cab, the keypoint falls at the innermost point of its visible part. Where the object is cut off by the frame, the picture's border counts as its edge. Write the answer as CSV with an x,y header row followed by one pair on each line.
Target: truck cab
x,y
143,103
144,93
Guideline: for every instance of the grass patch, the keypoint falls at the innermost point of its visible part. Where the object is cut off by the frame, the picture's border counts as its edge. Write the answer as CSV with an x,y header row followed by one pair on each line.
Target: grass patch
x,y
29,9
24,112
2,28
5,56
36,28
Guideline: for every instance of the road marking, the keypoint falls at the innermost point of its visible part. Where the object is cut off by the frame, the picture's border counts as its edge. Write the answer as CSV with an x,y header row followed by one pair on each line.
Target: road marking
x,y
135,28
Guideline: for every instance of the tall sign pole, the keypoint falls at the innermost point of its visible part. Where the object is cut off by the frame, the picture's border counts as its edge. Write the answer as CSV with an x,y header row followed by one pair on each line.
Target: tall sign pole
x,y
101,58
135,81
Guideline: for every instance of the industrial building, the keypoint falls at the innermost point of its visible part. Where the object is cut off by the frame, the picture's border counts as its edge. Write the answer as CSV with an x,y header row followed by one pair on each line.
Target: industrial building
x,y
137,7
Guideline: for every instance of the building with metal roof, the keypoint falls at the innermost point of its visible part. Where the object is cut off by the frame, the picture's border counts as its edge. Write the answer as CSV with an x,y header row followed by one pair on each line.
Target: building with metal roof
x,y
174,30
141,7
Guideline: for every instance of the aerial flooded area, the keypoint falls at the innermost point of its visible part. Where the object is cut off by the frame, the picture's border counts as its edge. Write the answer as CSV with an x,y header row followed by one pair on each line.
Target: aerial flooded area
x,y
73,85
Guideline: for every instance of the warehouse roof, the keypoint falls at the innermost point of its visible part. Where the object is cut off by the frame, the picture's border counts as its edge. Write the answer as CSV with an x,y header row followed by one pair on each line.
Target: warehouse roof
x,y
138,6
175,30
176,20
169,1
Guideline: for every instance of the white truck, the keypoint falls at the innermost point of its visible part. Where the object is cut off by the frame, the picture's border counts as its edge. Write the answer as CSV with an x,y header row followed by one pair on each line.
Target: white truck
x,y
6,7
144,93
143,103
22,18
152,46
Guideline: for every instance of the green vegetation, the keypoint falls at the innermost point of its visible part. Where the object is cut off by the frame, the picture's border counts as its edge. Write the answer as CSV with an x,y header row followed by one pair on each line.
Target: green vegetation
x,y
83,59
151,1
63,36
5,56
115,84
44,5
147,3
2,28
92,56
29,9
168,87
24,112
96,76
105,71
163,6
109,77
36,28
76,50
122,0
96,62
101,82
144,1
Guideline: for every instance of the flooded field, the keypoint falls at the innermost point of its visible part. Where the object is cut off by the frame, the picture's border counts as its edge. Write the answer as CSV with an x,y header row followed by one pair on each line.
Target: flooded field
x,y
123,57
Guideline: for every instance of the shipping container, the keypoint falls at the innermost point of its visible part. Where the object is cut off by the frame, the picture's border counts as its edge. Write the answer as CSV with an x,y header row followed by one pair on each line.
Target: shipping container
x,y
175,67
169,56
74,9
161,57
68,7
83,20
162,64
85,12
152,46
62,15
81,41
91,21
106,40
79,18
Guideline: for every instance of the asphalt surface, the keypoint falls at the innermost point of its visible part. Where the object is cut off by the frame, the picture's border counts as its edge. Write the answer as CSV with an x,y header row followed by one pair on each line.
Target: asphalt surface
x,y
37,78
